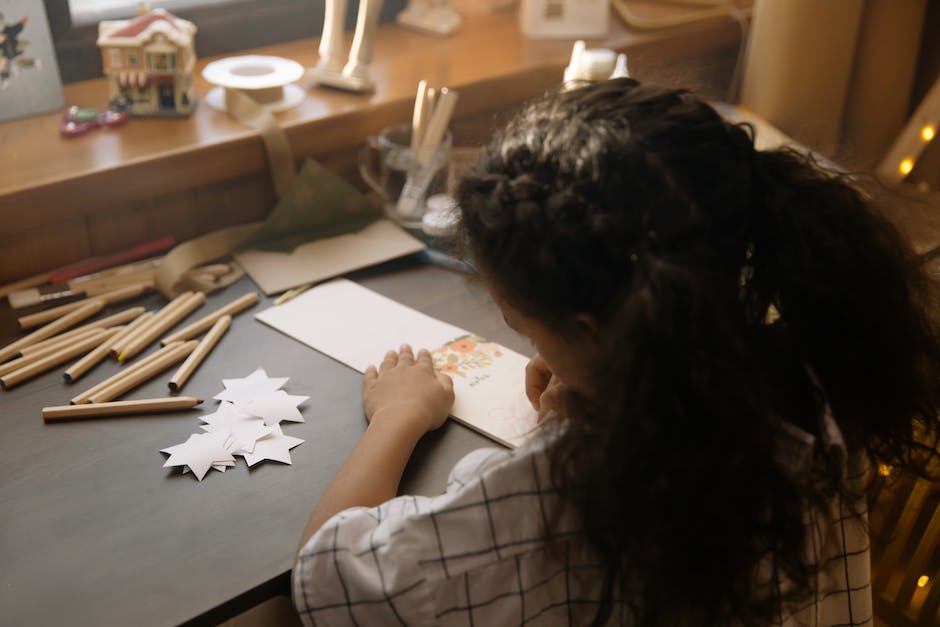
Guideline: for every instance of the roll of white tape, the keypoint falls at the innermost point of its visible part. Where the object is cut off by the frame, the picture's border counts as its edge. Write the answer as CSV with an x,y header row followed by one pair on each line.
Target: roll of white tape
x,y
265,79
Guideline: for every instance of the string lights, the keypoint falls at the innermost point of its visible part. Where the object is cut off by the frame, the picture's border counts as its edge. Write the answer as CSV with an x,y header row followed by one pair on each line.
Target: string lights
x,y
914,138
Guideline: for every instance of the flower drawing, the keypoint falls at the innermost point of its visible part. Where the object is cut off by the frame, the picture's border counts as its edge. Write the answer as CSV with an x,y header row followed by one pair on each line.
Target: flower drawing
x,y
465,355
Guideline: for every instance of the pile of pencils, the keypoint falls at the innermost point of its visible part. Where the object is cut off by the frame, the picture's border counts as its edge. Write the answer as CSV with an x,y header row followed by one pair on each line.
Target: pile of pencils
x,y
122,336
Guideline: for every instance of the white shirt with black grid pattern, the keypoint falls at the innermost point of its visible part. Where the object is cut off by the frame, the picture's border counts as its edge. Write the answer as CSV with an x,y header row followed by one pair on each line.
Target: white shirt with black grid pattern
x,y
481,554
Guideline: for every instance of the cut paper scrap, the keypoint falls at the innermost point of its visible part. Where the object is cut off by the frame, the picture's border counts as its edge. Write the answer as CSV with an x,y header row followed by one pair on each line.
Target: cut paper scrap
x,y
275,447
199,453
324,258
356,326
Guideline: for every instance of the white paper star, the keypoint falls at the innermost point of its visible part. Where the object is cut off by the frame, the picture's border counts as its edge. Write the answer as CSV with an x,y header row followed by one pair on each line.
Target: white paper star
x,y
224,414
248,387
245,429
200,452
275,407
275,447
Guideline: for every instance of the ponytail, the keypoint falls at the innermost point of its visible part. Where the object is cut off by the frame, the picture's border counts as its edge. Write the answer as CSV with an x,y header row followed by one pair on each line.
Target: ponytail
x,y
853,297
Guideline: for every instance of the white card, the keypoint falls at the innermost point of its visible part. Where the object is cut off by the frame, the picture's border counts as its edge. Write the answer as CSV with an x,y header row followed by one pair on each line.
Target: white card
x,y
356,326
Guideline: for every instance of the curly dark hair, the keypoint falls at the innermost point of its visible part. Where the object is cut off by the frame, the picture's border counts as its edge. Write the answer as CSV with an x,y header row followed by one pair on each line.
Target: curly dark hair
x,y
643,207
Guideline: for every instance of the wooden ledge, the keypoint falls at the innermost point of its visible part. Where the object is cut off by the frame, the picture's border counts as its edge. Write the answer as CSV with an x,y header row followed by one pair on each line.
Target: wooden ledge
x,y
47,179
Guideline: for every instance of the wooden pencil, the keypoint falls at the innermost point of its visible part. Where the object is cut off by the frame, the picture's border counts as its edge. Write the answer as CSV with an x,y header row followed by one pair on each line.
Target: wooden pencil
x,y
194,329
118,408
418,116
167,309
133,327
139,323
46,349
443,110
33,281
157,327
97,355
199,353
84,396
42,317
49,362
114,296
53,328
108,321
155,367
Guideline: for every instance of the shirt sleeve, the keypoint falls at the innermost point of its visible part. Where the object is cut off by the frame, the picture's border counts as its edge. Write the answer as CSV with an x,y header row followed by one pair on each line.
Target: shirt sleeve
x,y
361,568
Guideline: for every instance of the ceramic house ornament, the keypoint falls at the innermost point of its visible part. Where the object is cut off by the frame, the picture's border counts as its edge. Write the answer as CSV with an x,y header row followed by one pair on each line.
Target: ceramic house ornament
x,y
149,63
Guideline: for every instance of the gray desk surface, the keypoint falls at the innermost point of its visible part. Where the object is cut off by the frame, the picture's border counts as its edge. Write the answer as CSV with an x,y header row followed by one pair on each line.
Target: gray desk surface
x,y
93,531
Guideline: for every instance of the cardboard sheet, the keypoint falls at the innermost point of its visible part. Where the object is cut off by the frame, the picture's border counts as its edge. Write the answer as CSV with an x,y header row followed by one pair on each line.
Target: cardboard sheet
x,y
328,257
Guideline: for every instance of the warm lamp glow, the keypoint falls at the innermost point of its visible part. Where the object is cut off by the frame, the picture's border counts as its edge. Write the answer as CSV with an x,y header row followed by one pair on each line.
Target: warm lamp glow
x,y
906,166
884,470
928,132
922,581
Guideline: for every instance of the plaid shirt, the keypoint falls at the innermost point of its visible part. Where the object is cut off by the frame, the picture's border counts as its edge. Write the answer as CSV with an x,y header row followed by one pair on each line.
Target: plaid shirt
x,y
489,552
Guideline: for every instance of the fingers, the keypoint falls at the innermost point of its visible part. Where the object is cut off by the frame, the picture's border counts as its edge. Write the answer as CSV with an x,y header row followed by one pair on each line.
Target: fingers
x,y
405,355
370,375
446,382
389,361
537,378
425,360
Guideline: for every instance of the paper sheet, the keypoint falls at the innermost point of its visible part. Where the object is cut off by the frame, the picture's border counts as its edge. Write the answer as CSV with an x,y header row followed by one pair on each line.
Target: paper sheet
x,y
357,326
328,257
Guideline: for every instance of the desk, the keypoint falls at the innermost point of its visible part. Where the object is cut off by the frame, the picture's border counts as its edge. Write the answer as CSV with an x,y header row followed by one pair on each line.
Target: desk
x,y
94,532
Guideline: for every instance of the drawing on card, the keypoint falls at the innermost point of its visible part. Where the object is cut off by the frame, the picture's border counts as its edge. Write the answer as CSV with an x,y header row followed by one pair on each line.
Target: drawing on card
x,y
468,356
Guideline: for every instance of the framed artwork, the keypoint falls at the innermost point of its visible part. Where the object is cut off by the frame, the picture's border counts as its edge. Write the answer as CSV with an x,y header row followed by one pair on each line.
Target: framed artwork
x,y
29,75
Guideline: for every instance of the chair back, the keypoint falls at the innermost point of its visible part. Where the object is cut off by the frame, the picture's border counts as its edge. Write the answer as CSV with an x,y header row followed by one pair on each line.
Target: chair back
x,y
904,515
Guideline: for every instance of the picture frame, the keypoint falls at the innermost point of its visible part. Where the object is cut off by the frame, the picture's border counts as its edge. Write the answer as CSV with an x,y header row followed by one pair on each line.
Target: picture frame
x,y
29,75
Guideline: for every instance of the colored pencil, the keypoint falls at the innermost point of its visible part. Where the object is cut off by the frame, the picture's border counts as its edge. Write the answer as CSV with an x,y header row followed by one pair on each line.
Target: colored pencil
x,y
199,353
118,408
194,329
55,359
53,328
155,367
160,324
84,396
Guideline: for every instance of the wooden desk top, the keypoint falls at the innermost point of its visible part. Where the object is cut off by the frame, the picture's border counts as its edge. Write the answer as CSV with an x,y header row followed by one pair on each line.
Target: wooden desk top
x,y
95,530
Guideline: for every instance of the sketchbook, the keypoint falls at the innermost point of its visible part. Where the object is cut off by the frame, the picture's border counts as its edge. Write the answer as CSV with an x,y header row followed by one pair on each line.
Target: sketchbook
x,y
356,327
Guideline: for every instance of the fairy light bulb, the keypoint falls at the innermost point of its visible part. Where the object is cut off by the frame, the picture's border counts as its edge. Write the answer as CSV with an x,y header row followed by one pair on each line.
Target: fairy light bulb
x,y
922,581
884,470
928,132
906,165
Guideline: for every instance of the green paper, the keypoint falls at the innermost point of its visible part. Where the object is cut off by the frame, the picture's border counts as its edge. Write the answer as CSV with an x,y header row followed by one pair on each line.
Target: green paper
x,y
319,204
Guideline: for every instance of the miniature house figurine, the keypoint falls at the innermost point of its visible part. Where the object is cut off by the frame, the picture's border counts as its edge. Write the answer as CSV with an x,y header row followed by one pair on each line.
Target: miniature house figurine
x,y
149,63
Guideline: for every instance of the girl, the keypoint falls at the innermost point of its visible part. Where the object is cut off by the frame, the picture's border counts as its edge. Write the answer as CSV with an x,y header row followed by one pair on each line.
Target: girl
x,y
726,340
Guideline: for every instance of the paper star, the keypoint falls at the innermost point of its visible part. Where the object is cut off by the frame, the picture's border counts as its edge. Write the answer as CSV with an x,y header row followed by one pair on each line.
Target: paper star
x,y
275,407
275,447
200,452
245,429
248,387
226,413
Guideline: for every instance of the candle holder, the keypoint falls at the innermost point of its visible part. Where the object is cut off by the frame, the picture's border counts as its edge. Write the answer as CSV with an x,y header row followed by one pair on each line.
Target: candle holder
x,y
354,74
430,16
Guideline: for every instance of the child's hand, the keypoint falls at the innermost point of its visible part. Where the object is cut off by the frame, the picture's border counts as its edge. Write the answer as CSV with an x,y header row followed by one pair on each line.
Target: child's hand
x,y
545,391
407,389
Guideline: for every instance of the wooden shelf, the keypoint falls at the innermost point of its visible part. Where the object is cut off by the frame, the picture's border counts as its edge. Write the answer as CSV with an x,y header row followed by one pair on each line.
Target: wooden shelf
x,y
47,180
